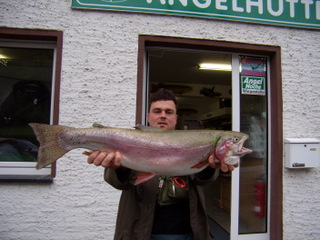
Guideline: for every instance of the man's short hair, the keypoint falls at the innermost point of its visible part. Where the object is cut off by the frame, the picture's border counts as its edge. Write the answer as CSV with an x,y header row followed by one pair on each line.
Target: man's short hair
x,y
162,95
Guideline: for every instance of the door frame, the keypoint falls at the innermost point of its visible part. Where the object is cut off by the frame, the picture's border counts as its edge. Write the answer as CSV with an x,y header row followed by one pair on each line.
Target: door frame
x,y
275,100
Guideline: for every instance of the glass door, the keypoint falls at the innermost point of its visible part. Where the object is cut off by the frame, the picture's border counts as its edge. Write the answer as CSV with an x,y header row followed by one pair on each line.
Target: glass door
x,y
250,181
233,97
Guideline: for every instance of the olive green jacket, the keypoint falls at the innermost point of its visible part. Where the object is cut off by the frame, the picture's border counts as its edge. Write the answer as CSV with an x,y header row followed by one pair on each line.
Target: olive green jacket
x,y
137,205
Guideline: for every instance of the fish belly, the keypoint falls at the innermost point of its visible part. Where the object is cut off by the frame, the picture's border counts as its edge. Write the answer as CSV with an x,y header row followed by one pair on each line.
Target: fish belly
x,y
169,161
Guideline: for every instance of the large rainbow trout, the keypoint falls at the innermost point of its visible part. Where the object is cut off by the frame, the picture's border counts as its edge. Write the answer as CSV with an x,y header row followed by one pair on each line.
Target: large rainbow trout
x,y
149,150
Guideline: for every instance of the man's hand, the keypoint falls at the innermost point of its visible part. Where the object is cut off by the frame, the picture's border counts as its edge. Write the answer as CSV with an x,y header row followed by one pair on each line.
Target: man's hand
x,y
107,160
218,164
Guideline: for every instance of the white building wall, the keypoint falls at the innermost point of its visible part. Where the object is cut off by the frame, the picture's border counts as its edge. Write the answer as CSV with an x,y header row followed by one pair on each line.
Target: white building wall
x,y
99,72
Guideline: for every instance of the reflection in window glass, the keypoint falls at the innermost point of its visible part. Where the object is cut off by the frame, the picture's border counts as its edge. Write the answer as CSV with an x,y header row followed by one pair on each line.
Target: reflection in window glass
x,y
25,96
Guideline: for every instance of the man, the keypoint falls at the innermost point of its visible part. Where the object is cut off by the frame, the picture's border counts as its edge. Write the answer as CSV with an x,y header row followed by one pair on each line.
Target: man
x,y
148,210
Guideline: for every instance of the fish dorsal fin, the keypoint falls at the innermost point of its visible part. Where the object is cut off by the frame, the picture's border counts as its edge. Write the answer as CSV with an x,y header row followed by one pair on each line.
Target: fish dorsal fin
x,y
98,125
147,128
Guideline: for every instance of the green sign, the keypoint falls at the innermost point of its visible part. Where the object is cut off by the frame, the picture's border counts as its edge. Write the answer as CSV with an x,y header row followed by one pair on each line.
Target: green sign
x,y
292,13
253,85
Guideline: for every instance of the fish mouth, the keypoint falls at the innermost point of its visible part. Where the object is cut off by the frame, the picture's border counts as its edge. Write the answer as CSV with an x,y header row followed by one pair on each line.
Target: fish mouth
x,y
241,151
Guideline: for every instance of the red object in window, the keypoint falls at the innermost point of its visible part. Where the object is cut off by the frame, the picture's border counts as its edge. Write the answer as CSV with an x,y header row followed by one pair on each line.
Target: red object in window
x,y
260,198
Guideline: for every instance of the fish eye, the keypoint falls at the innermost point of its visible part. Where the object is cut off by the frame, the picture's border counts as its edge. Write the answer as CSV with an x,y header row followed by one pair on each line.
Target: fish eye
x,y
235,139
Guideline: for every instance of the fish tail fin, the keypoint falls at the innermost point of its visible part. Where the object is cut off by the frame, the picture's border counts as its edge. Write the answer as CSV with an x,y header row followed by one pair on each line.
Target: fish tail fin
x,y
48,137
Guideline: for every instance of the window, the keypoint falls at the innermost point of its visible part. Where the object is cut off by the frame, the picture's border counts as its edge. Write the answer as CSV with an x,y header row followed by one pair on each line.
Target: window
x,y
29,83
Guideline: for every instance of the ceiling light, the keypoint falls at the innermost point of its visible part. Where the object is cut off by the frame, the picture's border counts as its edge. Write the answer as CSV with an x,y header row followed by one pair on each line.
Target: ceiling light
x,y
2,56
213,66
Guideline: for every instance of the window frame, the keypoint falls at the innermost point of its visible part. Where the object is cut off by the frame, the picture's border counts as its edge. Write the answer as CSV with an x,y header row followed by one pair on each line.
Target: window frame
x,y
275,96
20,170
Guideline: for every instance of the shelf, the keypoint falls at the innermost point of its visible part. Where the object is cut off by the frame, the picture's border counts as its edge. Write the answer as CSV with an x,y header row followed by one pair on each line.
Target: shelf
x,y
222,112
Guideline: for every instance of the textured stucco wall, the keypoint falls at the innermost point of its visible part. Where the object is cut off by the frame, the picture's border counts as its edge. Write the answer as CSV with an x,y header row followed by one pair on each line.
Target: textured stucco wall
x,y
99,71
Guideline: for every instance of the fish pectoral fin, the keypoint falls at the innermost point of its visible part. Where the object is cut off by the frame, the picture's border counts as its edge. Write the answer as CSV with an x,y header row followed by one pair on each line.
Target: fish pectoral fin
x,y
201,164
143,177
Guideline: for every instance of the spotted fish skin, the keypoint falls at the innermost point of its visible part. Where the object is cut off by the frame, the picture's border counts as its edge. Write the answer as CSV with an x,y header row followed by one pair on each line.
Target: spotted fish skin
x,y
158,152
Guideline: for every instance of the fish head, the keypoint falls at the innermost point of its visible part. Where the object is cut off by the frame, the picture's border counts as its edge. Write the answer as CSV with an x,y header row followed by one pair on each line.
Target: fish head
x,y
229,148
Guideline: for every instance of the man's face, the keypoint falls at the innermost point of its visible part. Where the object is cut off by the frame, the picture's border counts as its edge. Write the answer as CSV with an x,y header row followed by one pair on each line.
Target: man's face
x,y
163,114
